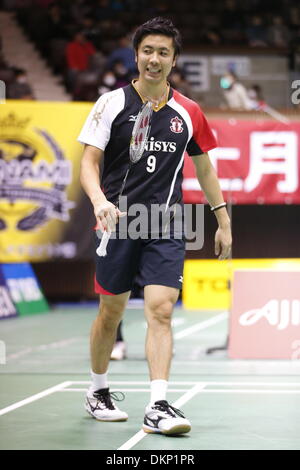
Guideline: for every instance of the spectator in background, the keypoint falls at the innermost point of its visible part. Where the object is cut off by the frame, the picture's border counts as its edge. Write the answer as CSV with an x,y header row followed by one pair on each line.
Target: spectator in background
x,y
178,81
232,25
125,54
255,96
278,33
78,54
43,3
103,11
122,74
91,30
107,83
211,36
6,72
79,9
256,32
56,21
79,51
20,89
231,16
113,78
235,93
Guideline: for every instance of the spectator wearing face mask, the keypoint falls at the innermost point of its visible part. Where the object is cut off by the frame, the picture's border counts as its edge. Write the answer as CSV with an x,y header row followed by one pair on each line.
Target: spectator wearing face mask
x,y
234,93
107,82
256,97
121,73
20,89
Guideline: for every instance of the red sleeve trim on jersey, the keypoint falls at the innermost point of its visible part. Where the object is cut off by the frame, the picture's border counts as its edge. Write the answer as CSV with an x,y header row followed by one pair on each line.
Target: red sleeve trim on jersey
x,y
202,133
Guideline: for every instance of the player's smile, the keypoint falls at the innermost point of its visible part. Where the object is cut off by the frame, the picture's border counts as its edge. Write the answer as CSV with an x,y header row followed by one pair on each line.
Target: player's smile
x,y
155,58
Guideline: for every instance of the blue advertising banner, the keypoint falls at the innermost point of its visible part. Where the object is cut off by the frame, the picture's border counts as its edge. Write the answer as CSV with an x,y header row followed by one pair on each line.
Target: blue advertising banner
x,y
24,289
7,308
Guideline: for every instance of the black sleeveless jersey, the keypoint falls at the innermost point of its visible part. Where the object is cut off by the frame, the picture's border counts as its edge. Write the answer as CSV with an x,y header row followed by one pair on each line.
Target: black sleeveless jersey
x,y
177,127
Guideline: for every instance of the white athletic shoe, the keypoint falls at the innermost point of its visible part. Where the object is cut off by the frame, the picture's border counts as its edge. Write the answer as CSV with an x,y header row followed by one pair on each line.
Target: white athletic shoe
x,y
100,406
119,351
165,419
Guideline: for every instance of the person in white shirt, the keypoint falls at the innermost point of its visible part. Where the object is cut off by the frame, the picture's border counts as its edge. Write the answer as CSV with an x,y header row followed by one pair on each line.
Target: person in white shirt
x,y
234,92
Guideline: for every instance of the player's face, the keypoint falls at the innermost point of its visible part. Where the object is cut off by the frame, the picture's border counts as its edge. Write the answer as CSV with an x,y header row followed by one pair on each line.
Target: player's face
x,y
155,58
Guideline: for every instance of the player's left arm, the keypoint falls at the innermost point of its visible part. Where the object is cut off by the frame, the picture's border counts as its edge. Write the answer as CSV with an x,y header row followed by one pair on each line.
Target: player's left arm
x,y
210,185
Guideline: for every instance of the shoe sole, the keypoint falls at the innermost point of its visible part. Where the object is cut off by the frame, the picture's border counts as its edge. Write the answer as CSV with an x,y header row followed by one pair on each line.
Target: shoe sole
x,y
117,420
180,429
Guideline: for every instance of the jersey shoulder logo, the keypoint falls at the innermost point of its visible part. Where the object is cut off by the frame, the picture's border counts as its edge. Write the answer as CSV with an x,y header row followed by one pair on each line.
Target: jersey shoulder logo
x,y
176,125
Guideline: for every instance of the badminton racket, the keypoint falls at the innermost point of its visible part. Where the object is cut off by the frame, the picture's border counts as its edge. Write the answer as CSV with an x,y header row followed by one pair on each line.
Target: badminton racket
x,y
139,137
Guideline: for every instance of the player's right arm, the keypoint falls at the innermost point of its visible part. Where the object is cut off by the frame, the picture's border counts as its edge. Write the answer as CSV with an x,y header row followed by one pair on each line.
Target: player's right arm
x,y
105,212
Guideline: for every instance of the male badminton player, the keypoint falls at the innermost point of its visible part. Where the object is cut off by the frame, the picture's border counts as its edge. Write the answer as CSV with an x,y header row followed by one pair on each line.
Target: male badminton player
x,y
177,125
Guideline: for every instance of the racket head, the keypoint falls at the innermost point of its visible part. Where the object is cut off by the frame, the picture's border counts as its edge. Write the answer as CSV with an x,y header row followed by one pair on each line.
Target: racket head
x,y
140,132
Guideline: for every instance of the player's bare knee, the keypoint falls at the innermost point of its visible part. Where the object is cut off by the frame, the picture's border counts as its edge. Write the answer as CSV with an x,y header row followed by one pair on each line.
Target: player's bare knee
x,y
111,312
160,313
113,306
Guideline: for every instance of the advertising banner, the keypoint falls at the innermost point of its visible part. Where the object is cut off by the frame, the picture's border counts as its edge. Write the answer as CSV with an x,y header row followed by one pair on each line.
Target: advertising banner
x,y
23,288
265,323
40,195
257,162
7,308
208,283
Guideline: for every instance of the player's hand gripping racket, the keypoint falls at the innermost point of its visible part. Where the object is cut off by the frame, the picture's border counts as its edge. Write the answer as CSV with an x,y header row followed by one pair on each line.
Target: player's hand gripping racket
x,y
137,145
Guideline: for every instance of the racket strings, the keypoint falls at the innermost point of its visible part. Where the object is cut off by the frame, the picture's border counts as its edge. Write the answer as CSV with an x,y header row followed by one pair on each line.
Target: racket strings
x,y
138,141
140,133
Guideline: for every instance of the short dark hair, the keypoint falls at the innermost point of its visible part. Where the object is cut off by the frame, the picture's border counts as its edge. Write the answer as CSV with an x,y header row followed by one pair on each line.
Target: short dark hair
x,y
158,25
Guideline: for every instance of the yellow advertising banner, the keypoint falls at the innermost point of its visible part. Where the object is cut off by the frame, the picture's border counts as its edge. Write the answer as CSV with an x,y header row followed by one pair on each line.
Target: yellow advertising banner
x,y
207,282
39,178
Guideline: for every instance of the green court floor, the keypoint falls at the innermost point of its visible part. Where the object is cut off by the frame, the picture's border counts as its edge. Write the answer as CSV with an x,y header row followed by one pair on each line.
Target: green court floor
x,y
231,404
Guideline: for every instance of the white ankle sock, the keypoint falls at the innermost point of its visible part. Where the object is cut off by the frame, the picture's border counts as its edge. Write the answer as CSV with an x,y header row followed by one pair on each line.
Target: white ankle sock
x,y
98,381
158,390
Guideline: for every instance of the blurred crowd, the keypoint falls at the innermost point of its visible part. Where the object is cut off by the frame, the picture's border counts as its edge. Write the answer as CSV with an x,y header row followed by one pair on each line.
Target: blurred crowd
x,y
16,80
88,42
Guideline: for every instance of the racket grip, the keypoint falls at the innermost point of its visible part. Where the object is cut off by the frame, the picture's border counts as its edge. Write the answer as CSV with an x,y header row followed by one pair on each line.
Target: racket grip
x,y
101,250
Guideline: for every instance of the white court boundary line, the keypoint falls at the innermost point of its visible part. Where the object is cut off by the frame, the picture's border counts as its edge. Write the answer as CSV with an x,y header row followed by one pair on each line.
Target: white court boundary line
x,y
198,386
35,397
201,326
175,322
178,403
252,390
181,390
134,390
128,382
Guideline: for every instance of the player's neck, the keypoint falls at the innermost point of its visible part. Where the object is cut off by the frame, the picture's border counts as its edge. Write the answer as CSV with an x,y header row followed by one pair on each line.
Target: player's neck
x,y
156,94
